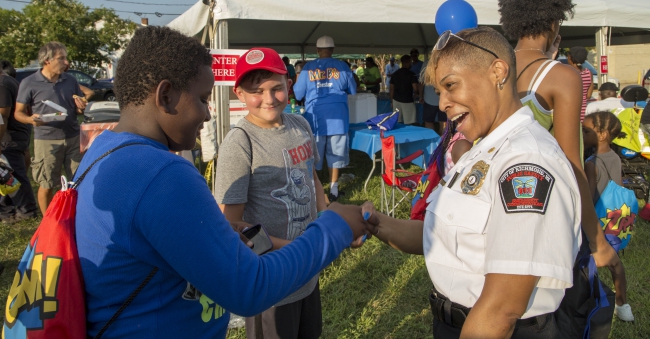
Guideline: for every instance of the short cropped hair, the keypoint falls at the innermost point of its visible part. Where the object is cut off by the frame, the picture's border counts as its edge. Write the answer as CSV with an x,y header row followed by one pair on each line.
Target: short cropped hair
x,y
153,55
49,50
8,68
370,62
531,18
467,55
405,58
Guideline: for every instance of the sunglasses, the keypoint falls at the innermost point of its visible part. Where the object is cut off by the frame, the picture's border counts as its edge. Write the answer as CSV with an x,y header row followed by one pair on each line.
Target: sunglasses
x,y
446,35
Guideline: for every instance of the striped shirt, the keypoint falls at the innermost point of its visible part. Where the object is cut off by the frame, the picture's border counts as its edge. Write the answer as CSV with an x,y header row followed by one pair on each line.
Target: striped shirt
x,y
586,83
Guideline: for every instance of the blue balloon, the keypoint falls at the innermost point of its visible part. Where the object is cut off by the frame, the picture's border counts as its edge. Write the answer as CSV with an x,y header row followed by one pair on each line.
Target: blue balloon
x,y
455,16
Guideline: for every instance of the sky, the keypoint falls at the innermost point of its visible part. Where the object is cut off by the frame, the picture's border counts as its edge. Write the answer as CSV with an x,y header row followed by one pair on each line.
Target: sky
x,y
127,8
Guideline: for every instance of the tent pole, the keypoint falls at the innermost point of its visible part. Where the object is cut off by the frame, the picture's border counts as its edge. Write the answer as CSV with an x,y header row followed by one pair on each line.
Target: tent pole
x,y
221,93
601,50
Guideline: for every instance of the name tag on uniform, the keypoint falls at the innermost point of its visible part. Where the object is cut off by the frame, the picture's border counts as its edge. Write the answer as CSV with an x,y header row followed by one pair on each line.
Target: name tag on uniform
x,y
473,181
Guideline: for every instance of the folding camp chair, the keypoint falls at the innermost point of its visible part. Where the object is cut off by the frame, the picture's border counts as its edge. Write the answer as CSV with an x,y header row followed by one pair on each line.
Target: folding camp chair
x,y
404,184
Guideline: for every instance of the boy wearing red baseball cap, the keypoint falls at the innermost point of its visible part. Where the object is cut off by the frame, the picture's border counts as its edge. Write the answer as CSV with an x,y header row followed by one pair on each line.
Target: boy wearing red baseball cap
x,y
265,175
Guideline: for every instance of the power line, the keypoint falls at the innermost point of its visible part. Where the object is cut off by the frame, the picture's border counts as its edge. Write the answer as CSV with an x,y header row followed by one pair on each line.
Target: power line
x,y
147,3
141,13
158,14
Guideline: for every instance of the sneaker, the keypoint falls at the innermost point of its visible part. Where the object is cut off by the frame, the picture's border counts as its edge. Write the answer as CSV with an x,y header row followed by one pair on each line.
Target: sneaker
x,y
7,219
624,312
18,217
333,197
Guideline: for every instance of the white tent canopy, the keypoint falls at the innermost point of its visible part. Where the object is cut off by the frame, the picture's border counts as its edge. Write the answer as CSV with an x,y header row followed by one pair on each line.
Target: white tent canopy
x,y
379,26
376,26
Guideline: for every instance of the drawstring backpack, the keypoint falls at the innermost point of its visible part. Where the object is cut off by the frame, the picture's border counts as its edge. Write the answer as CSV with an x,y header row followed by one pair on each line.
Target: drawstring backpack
x,y
383,122
428,181
47,296
617,209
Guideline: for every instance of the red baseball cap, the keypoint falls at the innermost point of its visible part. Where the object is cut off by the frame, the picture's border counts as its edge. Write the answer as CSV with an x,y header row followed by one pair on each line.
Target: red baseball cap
x,y
259,58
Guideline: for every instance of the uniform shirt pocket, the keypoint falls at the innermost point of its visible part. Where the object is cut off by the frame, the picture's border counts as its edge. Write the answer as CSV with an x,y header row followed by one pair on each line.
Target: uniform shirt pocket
x,y
464,217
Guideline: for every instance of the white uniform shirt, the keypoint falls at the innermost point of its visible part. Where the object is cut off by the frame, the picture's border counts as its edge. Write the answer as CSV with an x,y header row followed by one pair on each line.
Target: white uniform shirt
x,y
607,105
524,219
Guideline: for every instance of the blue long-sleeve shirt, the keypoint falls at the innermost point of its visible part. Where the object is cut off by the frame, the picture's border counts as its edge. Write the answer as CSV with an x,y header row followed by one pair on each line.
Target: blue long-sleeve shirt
x,y
325,84
143,207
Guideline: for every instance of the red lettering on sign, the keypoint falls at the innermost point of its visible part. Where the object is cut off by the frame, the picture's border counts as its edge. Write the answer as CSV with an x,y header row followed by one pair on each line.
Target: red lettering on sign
x,y
604,69
223,65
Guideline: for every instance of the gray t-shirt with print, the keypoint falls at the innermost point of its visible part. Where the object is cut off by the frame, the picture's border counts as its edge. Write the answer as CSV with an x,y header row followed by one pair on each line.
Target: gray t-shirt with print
x,y
608,167
278,189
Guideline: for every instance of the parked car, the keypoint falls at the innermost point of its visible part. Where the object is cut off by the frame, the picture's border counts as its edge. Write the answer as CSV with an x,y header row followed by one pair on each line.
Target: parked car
x,y
103,89
98,117
102,111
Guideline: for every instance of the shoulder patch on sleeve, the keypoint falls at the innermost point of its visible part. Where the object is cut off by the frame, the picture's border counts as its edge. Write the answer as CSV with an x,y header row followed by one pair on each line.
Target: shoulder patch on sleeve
x,y
525,188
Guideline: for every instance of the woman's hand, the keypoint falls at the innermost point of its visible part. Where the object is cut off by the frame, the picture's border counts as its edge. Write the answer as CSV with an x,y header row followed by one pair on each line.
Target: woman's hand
x,y
605,255
555,47
403,235
371,216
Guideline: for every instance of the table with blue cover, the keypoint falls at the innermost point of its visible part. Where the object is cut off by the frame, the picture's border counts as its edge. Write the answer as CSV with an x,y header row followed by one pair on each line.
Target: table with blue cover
x,y
408,139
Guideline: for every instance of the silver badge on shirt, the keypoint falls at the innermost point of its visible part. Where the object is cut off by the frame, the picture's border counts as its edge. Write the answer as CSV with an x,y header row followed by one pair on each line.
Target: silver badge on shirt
x,y
473,181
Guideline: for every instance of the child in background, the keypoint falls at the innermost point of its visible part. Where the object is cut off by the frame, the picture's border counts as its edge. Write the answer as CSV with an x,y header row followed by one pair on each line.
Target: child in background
x,y
599,129
452,146
456,147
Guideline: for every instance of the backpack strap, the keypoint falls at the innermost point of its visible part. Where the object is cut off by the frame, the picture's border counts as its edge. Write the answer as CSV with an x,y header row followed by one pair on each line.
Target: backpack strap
x,y
83,175
153,271
605,166
127,302
250,144
597,292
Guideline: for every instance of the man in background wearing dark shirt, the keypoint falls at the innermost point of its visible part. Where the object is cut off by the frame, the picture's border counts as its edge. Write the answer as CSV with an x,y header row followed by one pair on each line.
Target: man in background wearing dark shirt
x,y
56,143
403,84
14,139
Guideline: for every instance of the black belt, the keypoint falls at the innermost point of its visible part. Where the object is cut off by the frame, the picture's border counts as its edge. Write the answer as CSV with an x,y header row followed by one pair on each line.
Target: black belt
x,y
454,314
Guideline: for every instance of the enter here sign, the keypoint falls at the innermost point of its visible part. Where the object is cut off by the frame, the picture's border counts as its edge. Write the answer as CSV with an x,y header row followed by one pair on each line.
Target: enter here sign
x,y
223,65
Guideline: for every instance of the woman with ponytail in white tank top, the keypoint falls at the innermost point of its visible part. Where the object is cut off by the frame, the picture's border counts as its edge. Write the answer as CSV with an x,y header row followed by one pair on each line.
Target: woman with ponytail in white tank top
x,y
553,91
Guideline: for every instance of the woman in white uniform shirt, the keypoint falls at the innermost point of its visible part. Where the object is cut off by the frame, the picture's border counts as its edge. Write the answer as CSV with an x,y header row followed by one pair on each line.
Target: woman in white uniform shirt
x,y
502,229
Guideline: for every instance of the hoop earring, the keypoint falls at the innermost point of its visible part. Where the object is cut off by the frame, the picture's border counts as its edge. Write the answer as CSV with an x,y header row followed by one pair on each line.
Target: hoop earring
x,y
502,83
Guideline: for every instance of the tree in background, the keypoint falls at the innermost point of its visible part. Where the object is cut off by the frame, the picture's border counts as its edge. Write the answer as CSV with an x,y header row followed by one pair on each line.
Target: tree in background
x,y
88,34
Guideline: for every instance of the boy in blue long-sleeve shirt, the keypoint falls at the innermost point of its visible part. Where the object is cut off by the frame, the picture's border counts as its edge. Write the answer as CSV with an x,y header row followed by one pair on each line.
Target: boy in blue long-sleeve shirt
x,y
143,207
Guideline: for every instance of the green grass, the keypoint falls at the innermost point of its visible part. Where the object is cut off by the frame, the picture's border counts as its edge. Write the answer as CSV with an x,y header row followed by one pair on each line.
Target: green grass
x,y
377,292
